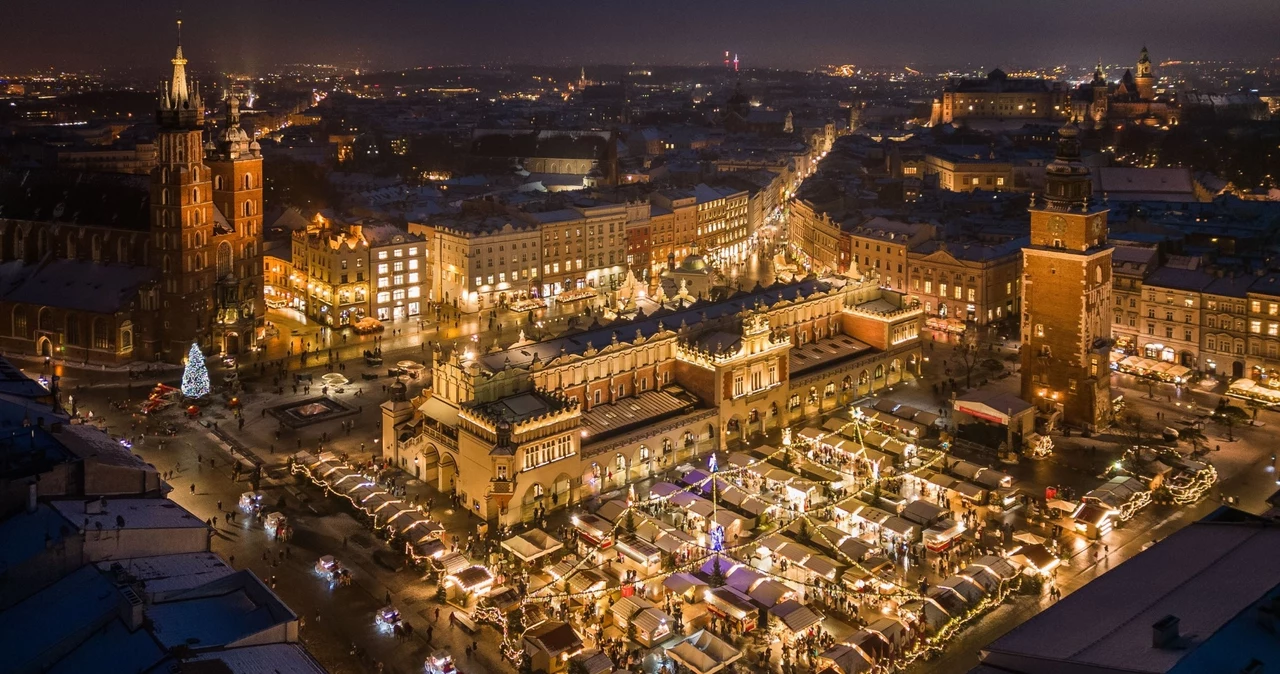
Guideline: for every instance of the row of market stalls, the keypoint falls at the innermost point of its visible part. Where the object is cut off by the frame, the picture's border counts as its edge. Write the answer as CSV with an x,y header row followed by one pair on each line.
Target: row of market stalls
x,y
1162,370
391,513
1248,389
873,646
873,447
904,420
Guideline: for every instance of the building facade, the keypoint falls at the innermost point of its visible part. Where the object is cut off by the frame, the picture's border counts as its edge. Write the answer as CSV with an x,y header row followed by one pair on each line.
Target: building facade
x,y
999,96
967,281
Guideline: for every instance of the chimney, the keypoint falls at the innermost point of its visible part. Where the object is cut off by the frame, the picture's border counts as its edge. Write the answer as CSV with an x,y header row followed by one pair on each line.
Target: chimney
x,y
31,496
131,608
1164,632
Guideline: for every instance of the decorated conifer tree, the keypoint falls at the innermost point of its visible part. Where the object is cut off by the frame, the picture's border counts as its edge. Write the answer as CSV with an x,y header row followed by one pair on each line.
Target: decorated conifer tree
x,y
195,378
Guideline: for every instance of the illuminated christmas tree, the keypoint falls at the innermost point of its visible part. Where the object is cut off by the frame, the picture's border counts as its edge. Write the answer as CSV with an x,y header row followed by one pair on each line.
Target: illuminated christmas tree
x,y
195,378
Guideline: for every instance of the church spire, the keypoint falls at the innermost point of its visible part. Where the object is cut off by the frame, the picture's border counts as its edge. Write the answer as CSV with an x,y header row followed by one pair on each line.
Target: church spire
x,y
180,104
179,95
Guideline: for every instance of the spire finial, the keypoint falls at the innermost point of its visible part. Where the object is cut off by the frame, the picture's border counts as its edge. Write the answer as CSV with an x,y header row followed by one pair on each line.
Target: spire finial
x,y
179,32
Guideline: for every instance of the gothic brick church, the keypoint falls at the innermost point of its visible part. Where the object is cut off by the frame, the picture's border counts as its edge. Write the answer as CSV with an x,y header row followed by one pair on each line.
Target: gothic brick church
x,y
113,269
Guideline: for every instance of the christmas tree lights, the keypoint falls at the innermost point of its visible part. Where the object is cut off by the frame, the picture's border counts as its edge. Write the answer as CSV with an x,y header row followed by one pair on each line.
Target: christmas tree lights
x,y
195,377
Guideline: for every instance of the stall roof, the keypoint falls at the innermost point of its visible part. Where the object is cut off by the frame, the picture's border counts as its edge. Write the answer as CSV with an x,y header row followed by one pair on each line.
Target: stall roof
x,y
612,510
731,601
922,513
768,592
796,616
969,490
650,620
704,653
531,545
822,566
993,479
898,525
683,582
855,548
453,562
847,659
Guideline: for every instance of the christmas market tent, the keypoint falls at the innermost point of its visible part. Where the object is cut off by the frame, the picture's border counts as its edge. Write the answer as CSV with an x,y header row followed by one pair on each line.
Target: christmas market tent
x,y
531,545
971,591
897,526
731,603
769,592
796,616
834,424
983,577
684,584
427,548
828,537
588,581
453,562
822,567
951,601
814,435
665,536
854,549
970,492
613,510
993,479
965,470
652,624
871,645
928,612
739,577
845,659
474,579
704,653
922,513
892,631
1035,559
663,490
592,661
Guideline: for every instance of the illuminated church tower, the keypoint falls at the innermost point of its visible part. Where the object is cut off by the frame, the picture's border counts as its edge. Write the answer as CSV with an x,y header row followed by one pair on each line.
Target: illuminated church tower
x,y
1144,78
182,215
235,162
1066,293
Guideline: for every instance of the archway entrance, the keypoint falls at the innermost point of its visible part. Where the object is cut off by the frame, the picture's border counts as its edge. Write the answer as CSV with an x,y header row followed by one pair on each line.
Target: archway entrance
x,y
1237,370
231,344
448,472
425,466
45,347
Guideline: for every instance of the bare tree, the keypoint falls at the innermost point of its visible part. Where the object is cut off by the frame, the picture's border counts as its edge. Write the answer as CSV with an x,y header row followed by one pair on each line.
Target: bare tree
x,y
967,353
1132,424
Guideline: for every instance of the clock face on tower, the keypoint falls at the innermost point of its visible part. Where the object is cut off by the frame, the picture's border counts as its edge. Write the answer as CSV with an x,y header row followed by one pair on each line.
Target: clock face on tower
x,y
1096,225
1057,225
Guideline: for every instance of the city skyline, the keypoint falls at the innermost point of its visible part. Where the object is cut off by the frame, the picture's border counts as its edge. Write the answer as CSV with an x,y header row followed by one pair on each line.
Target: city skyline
x,y
393,35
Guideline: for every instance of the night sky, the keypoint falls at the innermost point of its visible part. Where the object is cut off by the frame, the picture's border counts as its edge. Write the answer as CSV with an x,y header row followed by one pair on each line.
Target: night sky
x,y
239,34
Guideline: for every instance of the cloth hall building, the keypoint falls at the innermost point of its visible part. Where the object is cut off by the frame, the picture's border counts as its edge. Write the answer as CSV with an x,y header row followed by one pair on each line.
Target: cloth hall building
x,y
546,424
